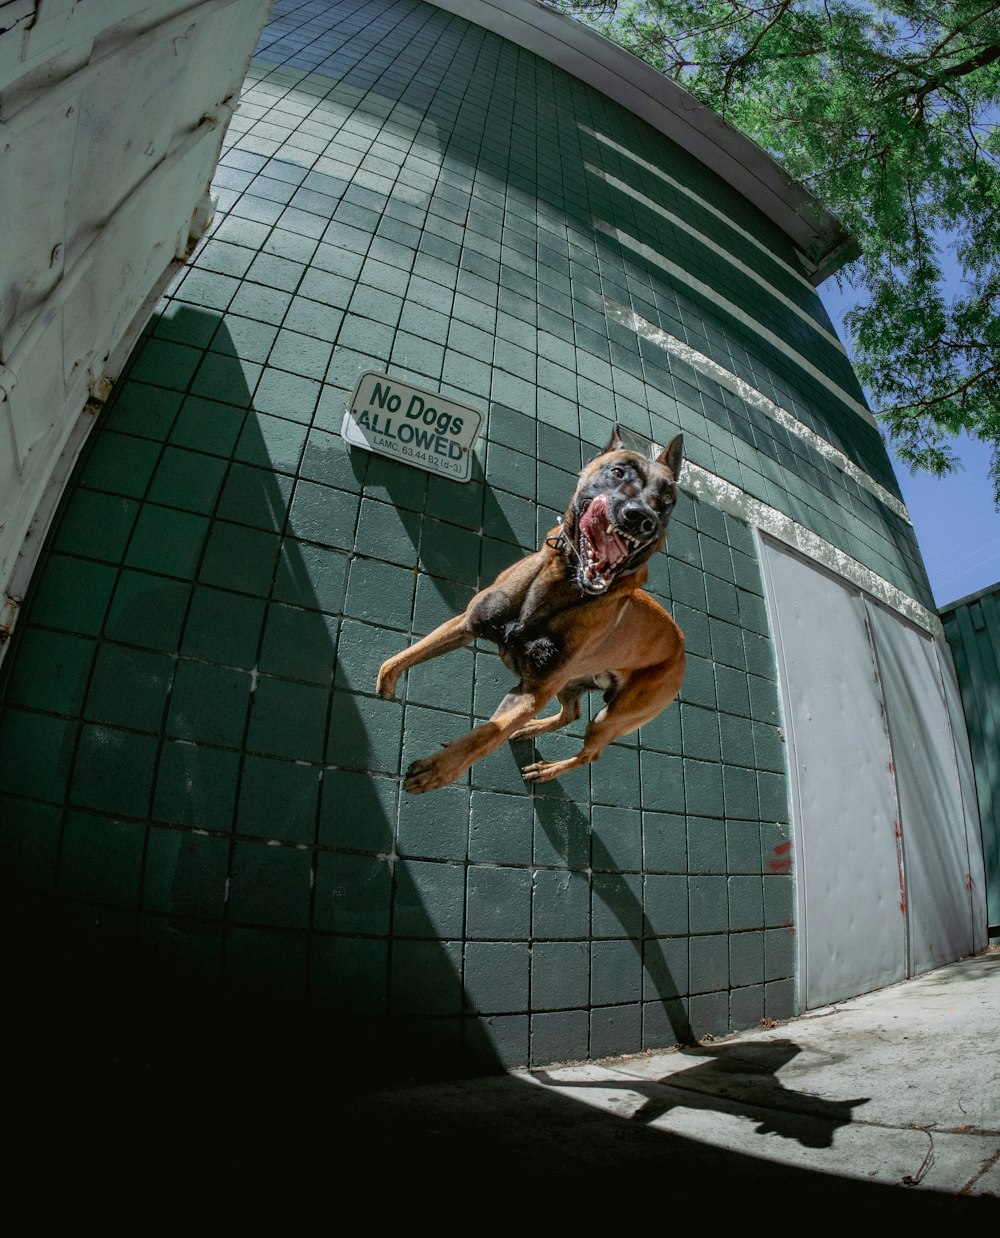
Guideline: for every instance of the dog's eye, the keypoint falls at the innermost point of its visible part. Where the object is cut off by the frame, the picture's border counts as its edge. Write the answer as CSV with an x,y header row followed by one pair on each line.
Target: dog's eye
x,y
617,472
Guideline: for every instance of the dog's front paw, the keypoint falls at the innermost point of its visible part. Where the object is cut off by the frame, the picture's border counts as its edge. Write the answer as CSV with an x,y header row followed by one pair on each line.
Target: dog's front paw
x,y
385,684
423,776
430,774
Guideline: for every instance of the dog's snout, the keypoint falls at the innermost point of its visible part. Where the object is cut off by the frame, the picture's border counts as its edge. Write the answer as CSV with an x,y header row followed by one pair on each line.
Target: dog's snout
x,y
638,519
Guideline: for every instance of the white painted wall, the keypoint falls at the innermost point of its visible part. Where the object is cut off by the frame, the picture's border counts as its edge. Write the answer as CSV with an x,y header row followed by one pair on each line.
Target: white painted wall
x,y
112,116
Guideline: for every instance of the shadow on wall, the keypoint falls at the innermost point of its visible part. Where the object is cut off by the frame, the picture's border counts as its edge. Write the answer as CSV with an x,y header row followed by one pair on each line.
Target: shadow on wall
x,y
214,834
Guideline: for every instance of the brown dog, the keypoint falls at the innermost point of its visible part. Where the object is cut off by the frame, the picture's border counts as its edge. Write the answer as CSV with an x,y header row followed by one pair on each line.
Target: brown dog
x,y
569,618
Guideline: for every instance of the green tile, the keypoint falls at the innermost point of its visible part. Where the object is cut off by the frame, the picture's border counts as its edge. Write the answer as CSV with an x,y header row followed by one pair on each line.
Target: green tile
x,y
208,290
708,912
357,811
102,859
270,885
510,470
450,552
223,627
299,644
206,425
498,902
665,904
138,408
267,305
327,459
426,978
120,463
703,789
165,364
349,974
188,479
706,848
286,395
385,532
616,844
196,786
300,354
662,782
444,682
288,720
29,842
129,687
257,497
185,873
435,827
560,974
167,541
560,905
353,893
746,903
263,964
700,732
429,899
278,800
365,733
245,338
323,515
496,976
361,650
664,842
230,380
209,704
71,594
239,558
50,670
615,972
380,593
271,442
275,272
36,753
311,576
114,771
97,525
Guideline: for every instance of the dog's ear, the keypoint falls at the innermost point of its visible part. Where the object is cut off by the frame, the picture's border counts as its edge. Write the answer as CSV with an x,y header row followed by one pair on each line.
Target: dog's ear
x,y
615,443
672,456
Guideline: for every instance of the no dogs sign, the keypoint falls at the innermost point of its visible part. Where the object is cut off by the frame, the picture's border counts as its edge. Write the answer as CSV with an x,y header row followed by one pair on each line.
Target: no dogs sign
x,y
411,425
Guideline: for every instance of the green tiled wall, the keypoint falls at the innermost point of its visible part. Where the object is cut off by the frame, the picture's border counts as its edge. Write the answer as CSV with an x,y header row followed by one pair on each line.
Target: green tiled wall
x,y
195,772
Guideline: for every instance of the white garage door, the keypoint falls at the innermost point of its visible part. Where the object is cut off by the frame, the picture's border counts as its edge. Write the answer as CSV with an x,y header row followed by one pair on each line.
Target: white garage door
x,y
886,880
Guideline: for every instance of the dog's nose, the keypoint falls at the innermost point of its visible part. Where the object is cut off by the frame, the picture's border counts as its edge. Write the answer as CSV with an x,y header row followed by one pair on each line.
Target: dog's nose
x,y
637,520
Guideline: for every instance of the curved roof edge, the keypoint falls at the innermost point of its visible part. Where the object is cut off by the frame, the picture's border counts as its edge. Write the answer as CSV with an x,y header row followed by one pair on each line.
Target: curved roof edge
x,y
676,113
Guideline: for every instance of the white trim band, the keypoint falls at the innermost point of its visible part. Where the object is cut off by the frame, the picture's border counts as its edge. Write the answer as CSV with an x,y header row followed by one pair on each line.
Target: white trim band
x,y
750,395
720,493
686,279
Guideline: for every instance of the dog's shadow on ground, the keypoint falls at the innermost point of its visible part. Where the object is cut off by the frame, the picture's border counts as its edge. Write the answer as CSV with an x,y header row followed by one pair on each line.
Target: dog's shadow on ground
x,y
739,1080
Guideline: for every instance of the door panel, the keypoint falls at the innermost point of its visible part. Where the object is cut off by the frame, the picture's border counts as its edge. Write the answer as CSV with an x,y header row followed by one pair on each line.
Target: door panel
x,y
850,918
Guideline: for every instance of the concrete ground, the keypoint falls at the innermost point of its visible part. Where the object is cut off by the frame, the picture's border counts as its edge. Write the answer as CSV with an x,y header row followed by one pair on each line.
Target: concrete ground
x,y
885,1103
884,1106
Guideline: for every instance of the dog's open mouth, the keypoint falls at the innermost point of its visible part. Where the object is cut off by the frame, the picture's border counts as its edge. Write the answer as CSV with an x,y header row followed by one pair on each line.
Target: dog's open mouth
x,y
604,547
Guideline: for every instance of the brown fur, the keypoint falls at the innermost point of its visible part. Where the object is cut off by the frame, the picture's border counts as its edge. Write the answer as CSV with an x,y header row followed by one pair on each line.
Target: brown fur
x,y
563,640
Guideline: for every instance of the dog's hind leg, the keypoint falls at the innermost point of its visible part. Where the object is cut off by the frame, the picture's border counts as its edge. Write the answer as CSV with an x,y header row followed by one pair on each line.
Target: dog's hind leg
x,y
569,699
641,698
517,708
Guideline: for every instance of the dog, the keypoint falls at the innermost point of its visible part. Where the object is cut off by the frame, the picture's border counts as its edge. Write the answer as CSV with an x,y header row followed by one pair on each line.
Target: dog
x,y
570,618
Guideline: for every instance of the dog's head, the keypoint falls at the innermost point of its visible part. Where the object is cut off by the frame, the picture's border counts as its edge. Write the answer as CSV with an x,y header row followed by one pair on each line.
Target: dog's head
x,y
617,518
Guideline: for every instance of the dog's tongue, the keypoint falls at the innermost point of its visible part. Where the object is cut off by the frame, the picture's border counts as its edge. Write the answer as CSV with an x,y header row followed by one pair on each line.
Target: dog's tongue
x,y
594,522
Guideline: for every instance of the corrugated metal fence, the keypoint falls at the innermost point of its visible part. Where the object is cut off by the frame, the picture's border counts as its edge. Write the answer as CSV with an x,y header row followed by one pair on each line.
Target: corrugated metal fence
x,y
972,626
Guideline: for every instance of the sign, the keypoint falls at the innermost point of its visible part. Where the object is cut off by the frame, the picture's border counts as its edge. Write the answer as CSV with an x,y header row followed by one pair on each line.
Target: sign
x,y
411,425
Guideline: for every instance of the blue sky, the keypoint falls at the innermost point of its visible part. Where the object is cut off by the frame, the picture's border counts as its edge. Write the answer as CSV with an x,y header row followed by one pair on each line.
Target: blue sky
x,y
957,526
